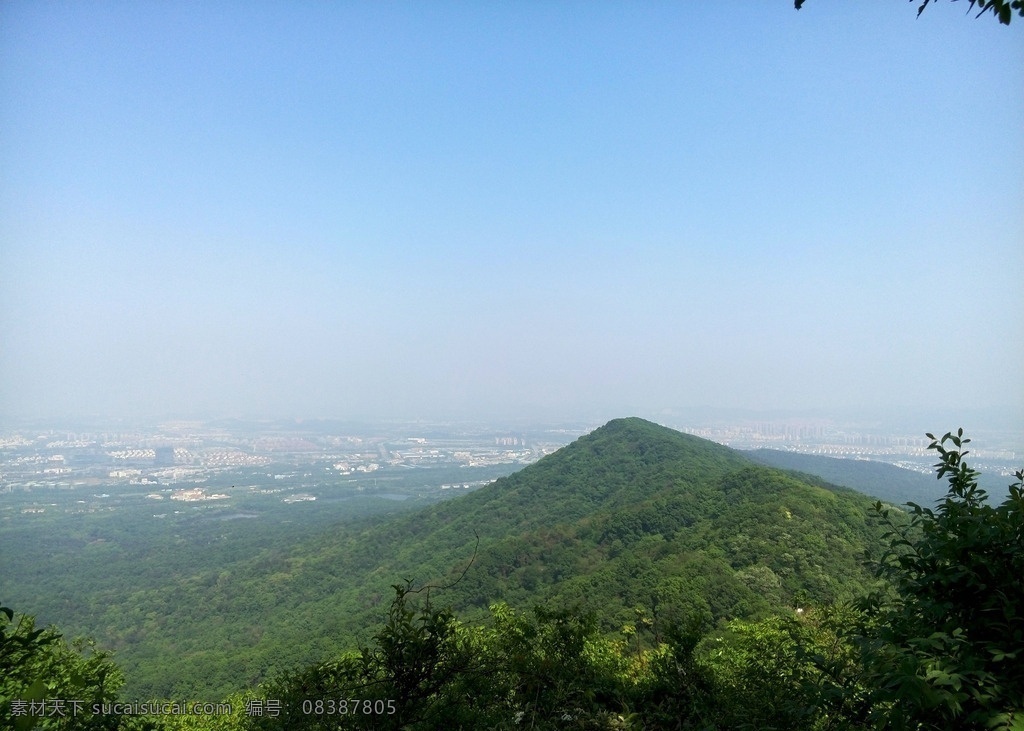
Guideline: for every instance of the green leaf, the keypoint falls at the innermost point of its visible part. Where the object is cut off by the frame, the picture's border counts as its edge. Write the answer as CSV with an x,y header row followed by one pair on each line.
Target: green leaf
x,y
35,692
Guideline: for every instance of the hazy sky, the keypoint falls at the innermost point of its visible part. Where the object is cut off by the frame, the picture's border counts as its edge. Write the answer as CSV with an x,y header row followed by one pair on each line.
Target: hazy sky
x,y
492,209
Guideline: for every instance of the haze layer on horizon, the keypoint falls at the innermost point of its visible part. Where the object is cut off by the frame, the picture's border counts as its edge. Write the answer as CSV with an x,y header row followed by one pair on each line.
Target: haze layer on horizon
x,y
458,210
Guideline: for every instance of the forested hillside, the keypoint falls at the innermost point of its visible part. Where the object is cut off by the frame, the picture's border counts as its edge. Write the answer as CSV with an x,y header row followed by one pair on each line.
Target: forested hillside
x,y
877,479
935,644
630,515
631,518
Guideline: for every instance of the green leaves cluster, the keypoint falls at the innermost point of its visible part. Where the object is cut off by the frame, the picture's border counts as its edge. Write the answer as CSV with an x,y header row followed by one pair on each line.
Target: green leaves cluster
x,y
37,665
407,678
426,670
946,645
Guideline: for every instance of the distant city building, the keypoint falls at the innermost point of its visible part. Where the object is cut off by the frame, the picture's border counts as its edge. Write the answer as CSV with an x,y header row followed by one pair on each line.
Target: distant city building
x,y
164,456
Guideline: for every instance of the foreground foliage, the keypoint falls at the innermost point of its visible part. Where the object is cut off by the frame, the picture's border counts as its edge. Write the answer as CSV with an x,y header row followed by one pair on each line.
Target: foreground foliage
x,y
945,646
37,666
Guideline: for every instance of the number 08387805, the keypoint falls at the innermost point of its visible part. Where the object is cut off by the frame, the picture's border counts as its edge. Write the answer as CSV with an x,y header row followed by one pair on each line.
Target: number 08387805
x,y
347,707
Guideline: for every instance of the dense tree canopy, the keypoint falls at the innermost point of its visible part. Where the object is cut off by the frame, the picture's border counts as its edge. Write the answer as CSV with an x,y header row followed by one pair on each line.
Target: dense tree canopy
x,y
937,644
945,646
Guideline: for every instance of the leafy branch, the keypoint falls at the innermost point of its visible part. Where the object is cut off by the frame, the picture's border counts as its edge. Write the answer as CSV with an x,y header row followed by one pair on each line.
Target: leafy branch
x,y
1001,9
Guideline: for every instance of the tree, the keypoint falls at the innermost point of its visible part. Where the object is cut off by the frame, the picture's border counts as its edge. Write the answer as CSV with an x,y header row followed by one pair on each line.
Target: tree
x,y
945,648
1001,9
40,676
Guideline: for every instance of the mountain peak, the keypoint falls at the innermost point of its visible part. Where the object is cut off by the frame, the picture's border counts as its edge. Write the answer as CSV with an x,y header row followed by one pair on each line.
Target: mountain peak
x,y
635,509
651,442
625,461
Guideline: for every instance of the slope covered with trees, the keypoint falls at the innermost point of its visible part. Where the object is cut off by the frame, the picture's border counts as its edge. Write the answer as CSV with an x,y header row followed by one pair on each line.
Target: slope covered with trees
x,y
637,523
631,518
624,507
879,480
935,645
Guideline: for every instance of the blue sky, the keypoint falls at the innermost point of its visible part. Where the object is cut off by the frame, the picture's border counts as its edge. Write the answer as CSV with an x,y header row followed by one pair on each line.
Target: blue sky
x,y
493,210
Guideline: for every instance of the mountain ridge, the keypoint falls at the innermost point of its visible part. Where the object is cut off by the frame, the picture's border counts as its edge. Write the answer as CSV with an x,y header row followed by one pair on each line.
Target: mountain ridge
x,y
632,517
881,480
632,493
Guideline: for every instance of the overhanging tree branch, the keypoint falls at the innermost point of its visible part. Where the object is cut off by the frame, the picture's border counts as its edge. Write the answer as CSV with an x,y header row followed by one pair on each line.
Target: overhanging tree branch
x,y
1001,9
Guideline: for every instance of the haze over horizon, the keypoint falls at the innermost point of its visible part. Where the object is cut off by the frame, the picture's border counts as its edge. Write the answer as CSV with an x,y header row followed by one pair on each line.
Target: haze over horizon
x,y
573,210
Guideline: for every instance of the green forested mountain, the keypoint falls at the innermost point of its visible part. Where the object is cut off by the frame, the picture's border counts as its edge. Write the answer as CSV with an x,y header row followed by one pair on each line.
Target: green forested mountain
x,y
631,515
631,521
637,579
